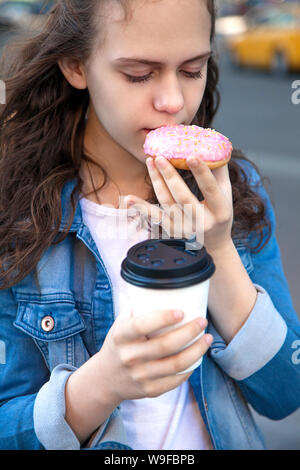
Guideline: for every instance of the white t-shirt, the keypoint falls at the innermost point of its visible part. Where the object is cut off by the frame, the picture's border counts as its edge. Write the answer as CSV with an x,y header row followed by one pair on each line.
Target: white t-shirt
x,y
172,420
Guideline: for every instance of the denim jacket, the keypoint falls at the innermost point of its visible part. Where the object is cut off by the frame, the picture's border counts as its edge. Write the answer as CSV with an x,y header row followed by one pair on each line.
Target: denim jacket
x,y
47,333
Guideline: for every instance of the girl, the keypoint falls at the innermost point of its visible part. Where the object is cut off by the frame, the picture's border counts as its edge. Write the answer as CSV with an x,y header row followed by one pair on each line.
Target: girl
x,y
79,371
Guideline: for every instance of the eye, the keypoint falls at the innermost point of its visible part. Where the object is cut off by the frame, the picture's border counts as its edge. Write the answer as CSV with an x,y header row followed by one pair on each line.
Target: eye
x,y
145,78
133,79
194,75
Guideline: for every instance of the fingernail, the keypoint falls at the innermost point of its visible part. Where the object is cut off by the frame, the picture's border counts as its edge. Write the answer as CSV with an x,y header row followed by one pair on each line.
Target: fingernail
x,y
128,202
149,162
178,314
161,162
209,339
192,162
202,322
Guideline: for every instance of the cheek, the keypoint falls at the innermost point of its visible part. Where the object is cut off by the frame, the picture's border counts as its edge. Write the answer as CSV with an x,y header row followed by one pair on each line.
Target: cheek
x,y
202,87
114,97
194,96
101,88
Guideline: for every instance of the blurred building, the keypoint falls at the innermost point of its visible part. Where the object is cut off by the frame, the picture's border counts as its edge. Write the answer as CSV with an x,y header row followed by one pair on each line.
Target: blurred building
x,y
240,7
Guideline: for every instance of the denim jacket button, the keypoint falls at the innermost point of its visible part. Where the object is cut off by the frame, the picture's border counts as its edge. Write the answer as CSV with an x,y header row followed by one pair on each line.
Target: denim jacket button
x,y
47,323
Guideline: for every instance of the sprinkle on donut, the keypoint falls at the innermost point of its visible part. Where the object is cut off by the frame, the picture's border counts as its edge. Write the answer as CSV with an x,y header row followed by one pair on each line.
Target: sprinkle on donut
x,y
177,143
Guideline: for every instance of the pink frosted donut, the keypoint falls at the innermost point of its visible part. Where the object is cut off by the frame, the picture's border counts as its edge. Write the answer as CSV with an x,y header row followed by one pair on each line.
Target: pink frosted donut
x,y
177,143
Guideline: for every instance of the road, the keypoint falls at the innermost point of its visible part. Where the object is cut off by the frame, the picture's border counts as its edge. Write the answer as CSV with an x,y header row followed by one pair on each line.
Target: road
x,y
258,116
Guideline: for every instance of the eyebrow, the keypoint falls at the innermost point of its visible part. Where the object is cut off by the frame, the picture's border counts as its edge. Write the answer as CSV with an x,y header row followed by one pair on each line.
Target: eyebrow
x,y
123,60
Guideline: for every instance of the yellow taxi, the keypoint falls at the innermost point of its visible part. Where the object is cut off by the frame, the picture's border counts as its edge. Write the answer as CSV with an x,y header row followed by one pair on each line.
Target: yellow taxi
x,y
271,40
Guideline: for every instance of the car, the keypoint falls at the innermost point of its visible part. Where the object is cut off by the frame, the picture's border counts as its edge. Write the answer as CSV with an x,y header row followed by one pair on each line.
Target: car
x,y
230,25
18,15
271,40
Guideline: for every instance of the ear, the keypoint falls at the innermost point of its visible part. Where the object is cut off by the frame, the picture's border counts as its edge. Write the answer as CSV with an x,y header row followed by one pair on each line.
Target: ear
x,y
74,72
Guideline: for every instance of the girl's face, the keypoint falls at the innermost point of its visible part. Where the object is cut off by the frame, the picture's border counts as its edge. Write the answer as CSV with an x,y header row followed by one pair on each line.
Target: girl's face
x,y
150,71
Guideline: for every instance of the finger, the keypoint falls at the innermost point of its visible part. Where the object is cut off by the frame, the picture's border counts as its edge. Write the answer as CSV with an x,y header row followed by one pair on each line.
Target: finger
x,y
162,191
180,192
151,214
159,184
176,363
223,178
208,185
165,384
221,174
133,328
183,206
168,343
151,211
171,217
174,221
193,211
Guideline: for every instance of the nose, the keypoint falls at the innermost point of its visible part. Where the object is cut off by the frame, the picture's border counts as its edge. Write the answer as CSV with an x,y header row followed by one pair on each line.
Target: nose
x,y
169,96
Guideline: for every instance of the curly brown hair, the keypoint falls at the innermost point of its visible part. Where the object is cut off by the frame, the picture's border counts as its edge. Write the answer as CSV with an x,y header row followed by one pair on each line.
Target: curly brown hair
x,y
42,132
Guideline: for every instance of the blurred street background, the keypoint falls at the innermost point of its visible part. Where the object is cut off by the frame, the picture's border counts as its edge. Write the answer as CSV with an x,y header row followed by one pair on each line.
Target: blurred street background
x,y
258,115
258,44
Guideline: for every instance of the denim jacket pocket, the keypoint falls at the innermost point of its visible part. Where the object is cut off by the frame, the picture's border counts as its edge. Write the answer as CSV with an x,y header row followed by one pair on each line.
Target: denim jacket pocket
x,y
55,327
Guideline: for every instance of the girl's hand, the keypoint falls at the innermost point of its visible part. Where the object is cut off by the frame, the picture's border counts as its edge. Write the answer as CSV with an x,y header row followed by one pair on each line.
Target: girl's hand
x,y
178,202
130,366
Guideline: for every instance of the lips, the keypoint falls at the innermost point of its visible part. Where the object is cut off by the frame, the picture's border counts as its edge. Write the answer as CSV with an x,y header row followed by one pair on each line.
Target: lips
x,y
163,125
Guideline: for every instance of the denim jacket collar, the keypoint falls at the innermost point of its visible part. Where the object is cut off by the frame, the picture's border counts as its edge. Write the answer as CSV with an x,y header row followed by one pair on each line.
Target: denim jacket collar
x,y
67,207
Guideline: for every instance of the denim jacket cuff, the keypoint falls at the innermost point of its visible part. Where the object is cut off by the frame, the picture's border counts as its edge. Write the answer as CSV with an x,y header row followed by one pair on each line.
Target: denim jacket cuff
x,y
50,425
255,344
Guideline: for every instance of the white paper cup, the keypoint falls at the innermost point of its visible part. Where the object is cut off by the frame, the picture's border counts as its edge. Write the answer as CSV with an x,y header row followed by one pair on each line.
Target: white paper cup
x,y
191,300
164,275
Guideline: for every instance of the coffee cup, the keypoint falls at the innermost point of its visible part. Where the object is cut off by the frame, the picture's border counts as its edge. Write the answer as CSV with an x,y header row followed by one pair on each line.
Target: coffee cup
x,y
161,274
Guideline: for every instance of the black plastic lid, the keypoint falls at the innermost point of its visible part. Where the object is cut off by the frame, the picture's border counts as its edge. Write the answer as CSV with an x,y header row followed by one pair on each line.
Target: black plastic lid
x,y
166,264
